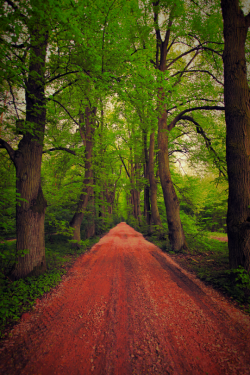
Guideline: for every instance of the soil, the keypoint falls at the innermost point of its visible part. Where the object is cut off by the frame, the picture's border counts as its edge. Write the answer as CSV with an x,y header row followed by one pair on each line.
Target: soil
x,y
127,308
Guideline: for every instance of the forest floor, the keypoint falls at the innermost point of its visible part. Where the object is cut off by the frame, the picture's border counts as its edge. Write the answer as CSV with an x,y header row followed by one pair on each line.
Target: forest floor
x,y
127,308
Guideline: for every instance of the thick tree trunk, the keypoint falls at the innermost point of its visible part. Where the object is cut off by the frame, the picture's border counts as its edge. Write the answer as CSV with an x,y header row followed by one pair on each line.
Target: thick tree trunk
x,y
28,158
88,178
176,233
237,110
155,216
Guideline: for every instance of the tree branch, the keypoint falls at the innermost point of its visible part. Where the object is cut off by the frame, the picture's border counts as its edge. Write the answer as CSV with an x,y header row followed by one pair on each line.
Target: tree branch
x,y
64,87
157,33
8,148
72,118
164,45
180,115
201,71
181,151
124,166
247,19
183,54
190,101
185,69
208,144
61,75
60,149
14,102
212,50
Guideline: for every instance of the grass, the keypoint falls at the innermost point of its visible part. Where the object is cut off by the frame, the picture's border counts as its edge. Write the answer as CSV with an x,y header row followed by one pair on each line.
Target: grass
x,y
19,296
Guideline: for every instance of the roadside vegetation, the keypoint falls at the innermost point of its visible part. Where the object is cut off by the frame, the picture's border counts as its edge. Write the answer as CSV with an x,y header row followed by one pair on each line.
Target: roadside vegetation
x,y
18,297
207,258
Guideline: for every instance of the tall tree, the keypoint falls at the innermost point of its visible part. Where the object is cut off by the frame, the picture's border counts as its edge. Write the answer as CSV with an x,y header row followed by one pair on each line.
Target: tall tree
x,y
237,109
87,129
155,216
26,34
27,158
168,18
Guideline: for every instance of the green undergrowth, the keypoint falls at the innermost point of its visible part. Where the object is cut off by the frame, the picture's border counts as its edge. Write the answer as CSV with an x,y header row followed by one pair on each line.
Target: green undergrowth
x,y
208,259
17,297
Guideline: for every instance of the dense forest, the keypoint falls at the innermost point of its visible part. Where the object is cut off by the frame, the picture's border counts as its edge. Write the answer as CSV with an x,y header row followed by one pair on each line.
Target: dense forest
x,y
120,110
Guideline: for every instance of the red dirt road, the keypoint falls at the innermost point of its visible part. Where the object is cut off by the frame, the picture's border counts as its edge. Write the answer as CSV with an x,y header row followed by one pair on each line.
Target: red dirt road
x,y
126,308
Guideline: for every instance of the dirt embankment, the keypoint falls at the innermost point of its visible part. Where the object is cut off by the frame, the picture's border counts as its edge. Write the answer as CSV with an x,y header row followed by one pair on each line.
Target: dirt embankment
x,y
126,308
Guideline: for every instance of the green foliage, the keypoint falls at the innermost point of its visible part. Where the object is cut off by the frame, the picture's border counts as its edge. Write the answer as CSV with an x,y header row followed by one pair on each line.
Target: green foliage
x,y
19,296
242,278
238,285
9,256
7,196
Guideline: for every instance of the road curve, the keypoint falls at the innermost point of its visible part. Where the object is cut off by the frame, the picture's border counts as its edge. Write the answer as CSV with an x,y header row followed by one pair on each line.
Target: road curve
x,y
126,308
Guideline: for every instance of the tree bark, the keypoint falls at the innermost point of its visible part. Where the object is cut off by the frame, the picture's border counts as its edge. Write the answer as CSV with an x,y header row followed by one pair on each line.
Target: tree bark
x,y
237,111
135,192
87,133
27,159
90,231
176,233
155,216
147,213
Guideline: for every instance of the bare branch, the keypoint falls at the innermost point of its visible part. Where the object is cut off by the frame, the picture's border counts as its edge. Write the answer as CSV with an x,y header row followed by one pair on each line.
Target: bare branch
x,y
208,142
72,118
70,151
181,151
185,69
61,75
12,94
124,166
184,54
212,50
8,148
180,115
64,87
192,100
201,71
19,46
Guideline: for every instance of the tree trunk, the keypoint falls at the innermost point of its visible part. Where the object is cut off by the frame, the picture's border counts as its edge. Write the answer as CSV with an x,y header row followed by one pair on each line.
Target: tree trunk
x,y
155,216
90,232
176,233
147,213
28,158
237,110
88,178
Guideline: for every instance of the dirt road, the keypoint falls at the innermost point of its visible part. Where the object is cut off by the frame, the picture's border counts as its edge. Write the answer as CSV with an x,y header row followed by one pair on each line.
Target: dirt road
x,y
126,308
